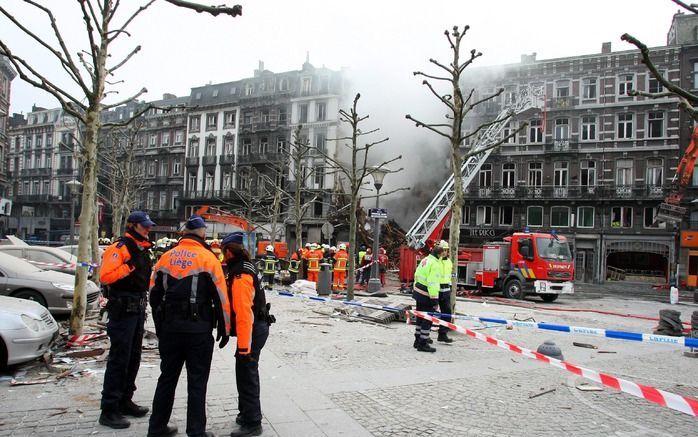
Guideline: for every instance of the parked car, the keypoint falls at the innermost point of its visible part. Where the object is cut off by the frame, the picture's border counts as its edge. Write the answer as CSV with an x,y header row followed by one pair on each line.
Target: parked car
x,y
44,257
26,330
73,249
53,290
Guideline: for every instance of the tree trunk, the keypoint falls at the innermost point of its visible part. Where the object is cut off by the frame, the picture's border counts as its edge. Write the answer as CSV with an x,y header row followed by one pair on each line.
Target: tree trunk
x,y
95,246
456,162
351,274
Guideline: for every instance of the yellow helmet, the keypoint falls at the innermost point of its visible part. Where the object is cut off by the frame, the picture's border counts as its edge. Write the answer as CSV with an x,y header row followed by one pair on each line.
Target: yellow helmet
x,y
444,244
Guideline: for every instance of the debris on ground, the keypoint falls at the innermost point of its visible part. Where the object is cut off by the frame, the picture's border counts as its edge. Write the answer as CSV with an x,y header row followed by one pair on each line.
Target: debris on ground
x,y
588,387
584,345
535,395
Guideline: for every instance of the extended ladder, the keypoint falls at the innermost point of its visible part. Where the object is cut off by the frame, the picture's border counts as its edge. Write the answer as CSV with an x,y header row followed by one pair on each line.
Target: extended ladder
x,y
528,98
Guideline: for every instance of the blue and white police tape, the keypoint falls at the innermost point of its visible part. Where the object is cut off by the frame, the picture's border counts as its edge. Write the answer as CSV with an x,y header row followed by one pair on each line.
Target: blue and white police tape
x,y
339,302
62,265
594,332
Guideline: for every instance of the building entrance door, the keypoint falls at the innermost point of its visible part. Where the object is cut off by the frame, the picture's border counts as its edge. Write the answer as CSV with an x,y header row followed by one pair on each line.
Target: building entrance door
x,y
584,266
692,279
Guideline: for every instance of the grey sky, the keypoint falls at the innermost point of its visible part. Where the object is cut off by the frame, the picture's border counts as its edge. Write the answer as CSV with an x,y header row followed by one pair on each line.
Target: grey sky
x,y
380,42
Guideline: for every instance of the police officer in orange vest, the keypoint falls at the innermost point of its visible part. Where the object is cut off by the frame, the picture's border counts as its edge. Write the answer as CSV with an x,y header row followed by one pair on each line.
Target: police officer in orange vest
x,y
189,298
125,274
252,321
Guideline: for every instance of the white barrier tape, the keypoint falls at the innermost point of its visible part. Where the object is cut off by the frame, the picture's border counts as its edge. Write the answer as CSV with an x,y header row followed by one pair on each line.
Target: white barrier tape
x,y
78,264
684,404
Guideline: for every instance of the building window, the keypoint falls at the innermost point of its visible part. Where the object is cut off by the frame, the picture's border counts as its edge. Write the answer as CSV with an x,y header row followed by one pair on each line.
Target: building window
x,y
151,168
321,142
321,111
247,118
655,124
695,75
465,218
165,139
163,200
535,174
303,113
317,208
587,173
534,216
625,84
209,184
653,85
227,180
560,216
283,115
163,168
561,173
508,130
654,172
229,146
621,217
589,88
249,89
194,123
585,217
176,167
211,121
589,128
263,145
173,198
562,129
153,140
625,126
230,118
486,176
264,116
281,146
649,221
562,88
150,200
319,177
508,175
210,147
535,131
484,216
49,141
305,86
506,216
246,146
244,180
193,148
624,172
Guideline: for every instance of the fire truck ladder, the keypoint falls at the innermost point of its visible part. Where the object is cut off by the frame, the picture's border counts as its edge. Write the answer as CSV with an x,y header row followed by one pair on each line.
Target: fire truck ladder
x,y
528,98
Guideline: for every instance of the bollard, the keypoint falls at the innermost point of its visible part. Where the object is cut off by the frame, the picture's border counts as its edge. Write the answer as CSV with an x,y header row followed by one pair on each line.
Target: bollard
x,y
550,349
324,280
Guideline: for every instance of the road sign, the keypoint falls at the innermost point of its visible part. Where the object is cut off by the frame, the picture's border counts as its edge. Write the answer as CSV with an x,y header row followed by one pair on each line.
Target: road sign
x,y
379,213
327,229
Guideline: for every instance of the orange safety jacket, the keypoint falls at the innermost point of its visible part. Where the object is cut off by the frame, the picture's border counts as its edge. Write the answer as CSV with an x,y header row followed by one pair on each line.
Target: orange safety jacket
x,y
249,302
191,275
342,258
314,257
118,265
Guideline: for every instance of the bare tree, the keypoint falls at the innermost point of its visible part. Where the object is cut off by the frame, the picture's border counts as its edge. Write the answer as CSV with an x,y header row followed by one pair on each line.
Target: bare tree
x,y
88,70
298,154
688,101
355,173
457,107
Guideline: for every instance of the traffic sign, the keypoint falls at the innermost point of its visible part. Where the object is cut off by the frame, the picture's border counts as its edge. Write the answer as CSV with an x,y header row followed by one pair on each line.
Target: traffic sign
x,y
327,229
378,213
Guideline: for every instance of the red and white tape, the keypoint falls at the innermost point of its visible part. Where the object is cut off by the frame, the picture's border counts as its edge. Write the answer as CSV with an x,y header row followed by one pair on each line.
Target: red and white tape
x,y
676,402
80,340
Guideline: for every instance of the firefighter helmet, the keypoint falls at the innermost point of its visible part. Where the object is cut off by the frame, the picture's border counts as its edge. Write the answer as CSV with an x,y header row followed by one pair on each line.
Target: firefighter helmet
x,y
270,248
444,244
342,246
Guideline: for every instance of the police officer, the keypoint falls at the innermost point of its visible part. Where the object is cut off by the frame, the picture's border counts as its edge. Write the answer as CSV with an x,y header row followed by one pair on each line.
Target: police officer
x,y
427,280
269,264
445,292
126,268
189,298
252,320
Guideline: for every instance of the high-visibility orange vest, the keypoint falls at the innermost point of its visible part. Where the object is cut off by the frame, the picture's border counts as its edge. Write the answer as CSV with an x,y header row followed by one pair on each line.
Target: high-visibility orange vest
x,y
314,260
342,258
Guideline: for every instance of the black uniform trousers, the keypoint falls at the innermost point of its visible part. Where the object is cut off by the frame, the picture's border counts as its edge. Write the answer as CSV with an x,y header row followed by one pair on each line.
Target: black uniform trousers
x,y
247,376
125,331
424,304
177,349
445,307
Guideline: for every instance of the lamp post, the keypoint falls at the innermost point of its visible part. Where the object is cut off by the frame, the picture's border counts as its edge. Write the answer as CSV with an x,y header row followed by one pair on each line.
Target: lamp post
x,y
74,187
374,284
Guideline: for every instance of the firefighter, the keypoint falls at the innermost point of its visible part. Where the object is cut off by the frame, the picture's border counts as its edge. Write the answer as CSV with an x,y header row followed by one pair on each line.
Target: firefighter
x,y
341,258
366,266
126,269
269,264
359,260
445,292
189,298
294,264
252,321
313,258
382,265
427,279
304,261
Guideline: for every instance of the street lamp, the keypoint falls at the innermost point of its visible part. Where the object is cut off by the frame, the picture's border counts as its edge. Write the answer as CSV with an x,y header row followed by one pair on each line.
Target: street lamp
x,y
74,187
374,284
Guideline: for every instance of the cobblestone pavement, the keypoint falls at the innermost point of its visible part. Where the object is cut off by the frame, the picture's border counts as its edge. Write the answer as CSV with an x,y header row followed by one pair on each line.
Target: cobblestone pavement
x,y
328,376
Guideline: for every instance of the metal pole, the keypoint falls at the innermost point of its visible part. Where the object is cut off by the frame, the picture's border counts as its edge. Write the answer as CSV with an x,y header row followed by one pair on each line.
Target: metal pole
x,y
374,284
72,218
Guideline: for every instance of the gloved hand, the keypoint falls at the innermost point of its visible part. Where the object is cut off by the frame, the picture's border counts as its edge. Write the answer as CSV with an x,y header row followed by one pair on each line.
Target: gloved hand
x,y
248,358
130,264
223,339
434,304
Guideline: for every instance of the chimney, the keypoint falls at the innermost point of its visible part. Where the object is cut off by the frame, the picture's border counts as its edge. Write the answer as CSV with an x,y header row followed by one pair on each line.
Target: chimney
x,y
528,59
259,70
167,96
606,47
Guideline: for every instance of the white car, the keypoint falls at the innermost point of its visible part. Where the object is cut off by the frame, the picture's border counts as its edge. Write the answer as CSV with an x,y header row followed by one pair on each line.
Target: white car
x,y
27,330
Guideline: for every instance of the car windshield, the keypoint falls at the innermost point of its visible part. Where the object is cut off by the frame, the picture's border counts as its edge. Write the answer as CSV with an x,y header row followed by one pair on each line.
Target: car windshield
x,y
553,249
17,265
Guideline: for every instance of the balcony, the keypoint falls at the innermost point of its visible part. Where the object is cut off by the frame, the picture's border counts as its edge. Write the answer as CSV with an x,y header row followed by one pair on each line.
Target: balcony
x,y
28,198
566,102
209,160
227,159
192,161
64,171
571,192
210,194
44,171
161,180
257,158
561,145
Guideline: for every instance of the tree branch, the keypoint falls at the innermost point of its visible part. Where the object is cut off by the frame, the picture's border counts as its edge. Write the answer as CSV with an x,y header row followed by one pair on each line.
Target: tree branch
x,y
692,7
422,124
213,10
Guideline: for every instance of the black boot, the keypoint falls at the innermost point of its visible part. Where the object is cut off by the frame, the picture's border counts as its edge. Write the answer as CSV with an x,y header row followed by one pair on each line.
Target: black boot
x,y
247,429
113,419
167,432
443,337
128,408
416,341
423,346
